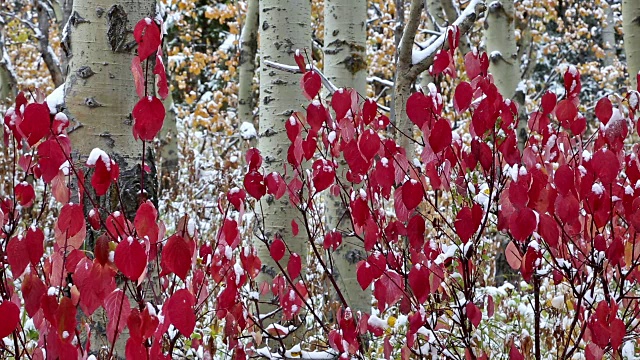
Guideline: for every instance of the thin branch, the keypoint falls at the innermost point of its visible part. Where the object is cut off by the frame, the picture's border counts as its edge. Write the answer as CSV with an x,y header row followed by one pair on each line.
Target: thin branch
x,y
295,70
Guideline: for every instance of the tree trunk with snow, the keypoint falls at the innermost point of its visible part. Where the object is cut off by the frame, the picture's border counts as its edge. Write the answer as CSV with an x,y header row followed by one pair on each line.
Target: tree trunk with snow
x,y
99,95
45,14
247,67
284,27
631,28
500,40
345,66
8,81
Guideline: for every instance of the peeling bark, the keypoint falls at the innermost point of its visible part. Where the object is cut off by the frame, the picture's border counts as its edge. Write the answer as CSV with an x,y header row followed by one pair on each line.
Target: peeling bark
x,y
345,66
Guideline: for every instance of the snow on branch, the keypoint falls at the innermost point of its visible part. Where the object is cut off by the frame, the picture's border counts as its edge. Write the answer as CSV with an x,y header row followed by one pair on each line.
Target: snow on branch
x,y
422,59
295,70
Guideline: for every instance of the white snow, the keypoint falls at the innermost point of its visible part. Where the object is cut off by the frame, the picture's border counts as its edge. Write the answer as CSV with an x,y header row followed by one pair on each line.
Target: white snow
x,y
55,98
96,154
248,131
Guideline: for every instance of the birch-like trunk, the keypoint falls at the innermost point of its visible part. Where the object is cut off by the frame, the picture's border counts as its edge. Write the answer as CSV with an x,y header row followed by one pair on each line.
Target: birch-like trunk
x,y
345,66
500,40
609,36
631,28
99,96
284,27
8,81
247,67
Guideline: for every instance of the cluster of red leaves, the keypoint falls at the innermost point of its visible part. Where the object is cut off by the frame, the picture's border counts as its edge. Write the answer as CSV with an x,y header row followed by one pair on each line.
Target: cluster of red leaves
x,y
569,202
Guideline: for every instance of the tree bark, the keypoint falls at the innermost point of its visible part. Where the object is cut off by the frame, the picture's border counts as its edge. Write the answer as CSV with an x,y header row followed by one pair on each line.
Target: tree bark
x,y
345,66
631,28
247,67
500,39
609,36
99,95
284,27
45,13
8,81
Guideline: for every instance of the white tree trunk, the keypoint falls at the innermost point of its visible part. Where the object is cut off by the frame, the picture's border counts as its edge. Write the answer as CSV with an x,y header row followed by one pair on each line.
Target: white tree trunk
x,y
284,27
609,37
247,68
631,28
500,40
345,66
99,97
8,82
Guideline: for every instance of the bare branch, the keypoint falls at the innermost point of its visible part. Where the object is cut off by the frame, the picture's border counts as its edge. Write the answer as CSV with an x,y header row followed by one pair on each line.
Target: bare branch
x,y
295,70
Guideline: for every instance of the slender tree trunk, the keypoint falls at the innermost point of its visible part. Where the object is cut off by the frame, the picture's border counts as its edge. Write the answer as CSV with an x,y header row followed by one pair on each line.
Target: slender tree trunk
x,y
500,39
247,68
284,27
631,28
609,36
45,13
345,66
8,82
99,97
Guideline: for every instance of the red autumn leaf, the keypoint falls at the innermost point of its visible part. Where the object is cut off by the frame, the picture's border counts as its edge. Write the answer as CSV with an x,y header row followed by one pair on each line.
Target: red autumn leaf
x,y
522,224
118,308
277,249
464,224
36,122
148,115
473,313
440,137
131,258
415,232
324,174
276,185
10,315
161,73
101,178
147,35
254,184
463,97
412,194
71,219
566,111
299,58
179,311
604,110
549,231
253,158
294,228
419,282
176,256
32,290
138,76
25,195
472,64
311,84
514,353
453,37
418,108
606,166
341,102
316,115
549,100
17,255
440,62
369,144
236,197
364,274
564,179
146,222
514,259
35,244
293,127
369,111
388,290
294,266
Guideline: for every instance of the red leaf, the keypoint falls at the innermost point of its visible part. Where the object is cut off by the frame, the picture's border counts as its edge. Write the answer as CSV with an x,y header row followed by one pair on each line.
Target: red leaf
x,y
369,111
10,315
604,110
419,282
415,232
101,178
549,100
324,174
148,115
473,313
606,166
148,37
463,97
464,224
311,84
25,195
522,224
316,115
131,258
412,194
564,179
418,108
514,259
36,122
293,127
440,137
179,311
32,290
440,62
566,111
236,196
294,266
341,102
176,256
277,249
51,156
276,185
161,73
294,228
71,219
299,58
514,353
146,222
138,76
118,308
253,158
18,255
364,274
254,184
472,64
549,231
